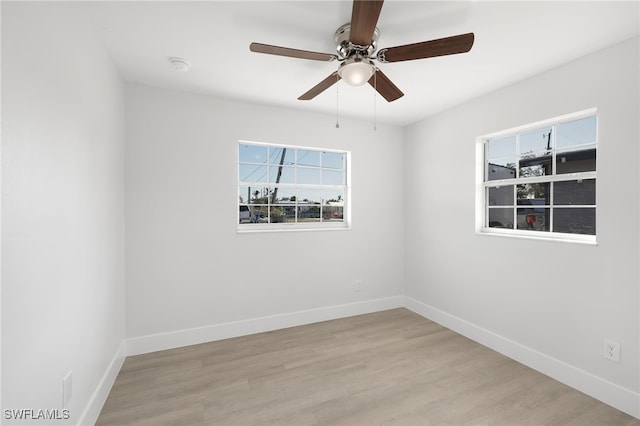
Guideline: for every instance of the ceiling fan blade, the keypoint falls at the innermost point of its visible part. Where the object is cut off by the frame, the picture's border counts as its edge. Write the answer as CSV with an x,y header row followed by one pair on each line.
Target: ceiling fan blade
x,y
292,53
320,87
364,17
428,49
384,86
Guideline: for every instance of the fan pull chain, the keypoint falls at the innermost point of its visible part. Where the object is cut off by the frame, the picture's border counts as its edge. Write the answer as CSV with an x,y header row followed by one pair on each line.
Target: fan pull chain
x,y
375,92
337,116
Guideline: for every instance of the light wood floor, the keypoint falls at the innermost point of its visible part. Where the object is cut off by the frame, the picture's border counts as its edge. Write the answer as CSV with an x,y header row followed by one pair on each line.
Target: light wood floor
x,y
385,368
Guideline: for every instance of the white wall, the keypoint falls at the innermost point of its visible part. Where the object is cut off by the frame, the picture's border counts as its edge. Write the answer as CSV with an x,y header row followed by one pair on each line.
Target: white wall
x,y
187,267
62,210
64,169
551,302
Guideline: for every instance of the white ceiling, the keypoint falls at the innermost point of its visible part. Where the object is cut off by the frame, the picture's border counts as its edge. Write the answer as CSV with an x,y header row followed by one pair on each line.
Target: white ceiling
x,y
513,40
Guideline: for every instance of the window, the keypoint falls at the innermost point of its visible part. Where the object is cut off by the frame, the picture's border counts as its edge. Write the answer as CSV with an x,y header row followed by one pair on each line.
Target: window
x,y
540,180
285,187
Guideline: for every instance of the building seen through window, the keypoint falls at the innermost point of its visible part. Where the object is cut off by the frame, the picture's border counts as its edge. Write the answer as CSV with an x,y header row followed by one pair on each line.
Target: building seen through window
x,y
542,179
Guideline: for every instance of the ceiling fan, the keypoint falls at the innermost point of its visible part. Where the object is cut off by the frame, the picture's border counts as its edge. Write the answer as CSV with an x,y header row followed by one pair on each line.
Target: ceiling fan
x,y
357,42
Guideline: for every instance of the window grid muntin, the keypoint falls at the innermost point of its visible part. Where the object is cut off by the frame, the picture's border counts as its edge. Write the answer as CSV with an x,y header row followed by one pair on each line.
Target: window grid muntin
x,y
551,179
328,191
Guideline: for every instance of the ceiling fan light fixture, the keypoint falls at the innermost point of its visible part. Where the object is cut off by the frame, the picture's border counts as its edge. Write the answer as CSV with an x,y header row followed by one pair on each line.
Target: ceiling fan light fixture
x,y
356,71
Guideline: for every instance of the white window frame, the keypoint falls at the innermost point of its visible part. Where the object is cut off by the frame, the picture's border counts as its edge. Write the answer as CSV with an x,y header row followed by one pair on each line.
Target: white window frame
x,y
298,226
482,184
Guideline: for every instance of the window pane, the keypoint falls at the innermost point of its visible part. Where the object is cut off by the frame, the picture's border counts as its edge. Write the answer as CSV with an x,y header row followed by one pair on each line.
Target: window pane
x,y
244,213
252,173
535,143
258,194
534,194
308,176
253,194
578,160
501,147
502,168
332,213
334,197
501,218
535,165
575,221
275,155
309,196
287,174
283,195
308,158
577,132
535,153
501,196
282,214
309,213
332,177
333,160
534,219
259,214
575,192
243,194
252,154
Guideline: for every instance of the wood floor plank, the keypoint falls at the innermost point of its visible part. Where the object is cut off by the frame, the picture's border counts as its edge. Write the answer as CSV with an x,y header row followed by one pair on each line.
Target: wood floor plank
x,y
385,368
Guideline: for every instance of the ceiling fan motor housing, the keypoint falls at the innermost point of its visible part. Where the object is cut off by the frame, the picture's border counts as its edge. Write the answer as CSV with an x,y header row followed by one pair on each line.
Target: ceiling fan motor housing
x,y
346,49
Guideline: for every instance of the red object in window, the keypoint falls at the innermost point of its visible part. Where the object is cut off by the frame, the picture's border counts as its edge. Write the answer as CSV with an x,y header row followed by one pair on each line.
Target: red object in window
x,y
531,220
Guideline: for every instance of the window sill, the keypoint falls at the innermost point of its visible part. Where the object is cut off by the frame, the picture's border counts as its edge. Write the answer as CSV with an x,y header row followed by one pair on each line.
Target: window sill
x,y
589,240
262,228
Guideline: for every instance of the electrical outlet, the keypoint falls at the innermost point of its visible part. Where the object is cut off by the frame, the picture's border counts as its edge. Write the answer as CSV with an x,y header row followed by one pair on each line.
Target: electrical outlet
x,y
612,350
66,389
358,285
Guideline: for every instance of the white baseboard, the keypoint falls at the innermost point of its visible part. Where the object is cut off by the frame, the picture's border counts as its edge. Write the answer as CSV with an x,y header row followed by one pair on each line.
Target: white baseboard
x,y
97,400
621,398
193,336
